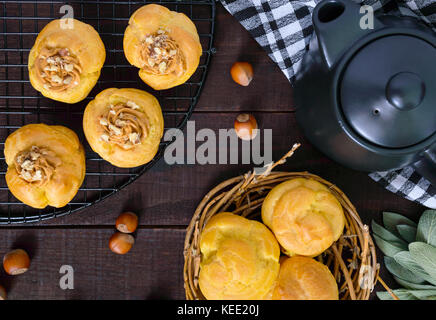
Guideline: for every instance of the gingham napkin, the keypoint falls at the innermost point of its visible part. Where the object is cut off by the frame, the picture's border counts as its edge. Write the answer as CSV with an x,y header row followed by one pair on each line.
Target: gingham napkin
x,y
283,28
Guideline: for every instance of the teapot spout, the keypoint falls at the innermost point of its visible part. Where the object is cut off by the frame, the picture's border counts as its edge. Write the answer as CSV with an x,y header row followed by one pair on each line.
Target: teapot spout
x,y
338,24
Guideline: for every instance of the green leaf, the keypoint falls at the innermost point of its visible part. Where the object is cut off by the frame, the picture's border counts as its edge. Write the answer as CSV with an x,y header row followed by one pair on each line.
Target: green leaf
x,y
391,220
402,294
427,228
407,232
399,271
387,235
413,286
424,294
424,255
387,248
404,258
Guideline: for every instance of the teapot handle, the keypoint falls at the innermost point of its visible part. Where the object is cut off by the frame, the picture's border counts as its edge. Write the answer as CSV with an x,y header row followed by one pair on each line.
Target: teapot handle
x,y
427,165
337,25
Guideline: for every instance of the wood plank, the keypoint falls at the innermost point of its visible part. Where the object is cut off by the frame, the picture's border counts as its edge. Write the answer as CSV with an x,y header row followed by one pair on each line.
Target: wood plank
x,y
269,90
168,195
152,269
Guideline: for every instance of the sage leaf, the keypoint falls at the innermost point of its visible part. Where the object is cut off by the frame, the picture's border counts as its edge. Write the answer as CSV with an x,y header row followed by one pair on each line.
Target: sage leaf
x,y
413,286
404,258
425,255
387,235
391,220
424,294
399,271
387,248
407,232
427,228
402,294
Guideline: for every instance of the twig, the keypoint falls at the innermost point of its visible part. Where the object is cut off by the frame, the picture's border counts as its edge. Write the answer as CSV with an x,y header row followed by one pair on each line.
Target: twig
x,y
387,288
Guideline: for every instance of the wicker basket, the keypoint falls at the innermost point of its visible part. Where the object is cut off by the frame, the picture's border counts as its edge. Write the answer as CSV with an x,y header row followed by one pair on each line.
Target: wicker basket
x,y
352,259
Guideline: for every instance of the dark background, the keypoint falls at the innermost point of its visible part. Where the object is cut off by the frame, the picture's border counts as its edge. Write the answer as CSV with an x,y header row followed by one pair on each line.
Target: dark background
x,y
165,197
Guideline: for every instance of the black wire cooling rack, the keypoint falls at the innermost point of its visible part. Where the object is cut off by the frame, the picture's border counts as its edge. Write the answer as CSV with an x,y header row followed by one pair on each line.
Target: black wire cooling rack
x,y
20,104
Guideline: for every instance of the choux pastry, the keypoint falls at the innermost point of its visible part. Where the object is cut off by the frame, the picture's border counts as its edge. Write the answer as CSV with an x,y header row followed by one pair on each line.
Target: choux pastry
x,y
163,44
240,259
46,165
64,63
124,126
303,278
304,216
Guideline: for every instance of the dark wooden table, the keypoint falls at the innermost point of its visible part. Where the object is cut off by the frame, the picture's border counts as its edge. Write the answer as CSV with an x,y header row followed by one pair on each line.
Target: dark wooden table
x,y
166,196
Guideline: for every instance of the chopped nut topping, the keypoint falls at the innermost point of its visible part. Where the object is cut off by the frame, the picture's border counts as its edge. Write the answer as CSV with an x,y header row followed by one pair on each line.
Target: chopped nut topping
x,y
38,175
67,80
162,67
124,125
51,68
117,131
161,54
134,137
36,165
56,78
132,105
120,123
64,52
58,69
27,165
34,155
69,67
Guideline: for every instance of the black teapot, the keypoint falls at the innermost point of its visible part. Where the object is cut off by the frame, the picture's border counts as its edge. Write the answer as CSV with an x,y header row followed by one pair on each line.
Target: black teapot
x,y
366,97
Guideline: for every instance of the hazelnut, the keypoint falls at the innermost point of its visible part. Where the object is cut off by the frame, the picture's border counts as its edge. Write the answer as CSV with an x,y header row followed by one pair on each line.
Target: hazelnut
x,y
16,262
242,73
127,222
246,126
3,294
121,243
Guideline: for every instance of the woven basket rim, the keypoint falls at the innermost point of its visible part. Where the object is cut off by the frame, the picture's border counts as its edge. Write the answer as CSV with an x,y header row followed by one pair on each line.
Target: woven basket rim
x,y
357,279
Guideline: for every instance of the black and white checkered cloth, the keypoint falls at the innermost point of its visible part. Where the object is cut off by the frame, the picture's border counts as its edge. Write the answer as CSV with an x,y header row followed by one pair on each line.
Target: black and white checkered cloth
x,y
283,28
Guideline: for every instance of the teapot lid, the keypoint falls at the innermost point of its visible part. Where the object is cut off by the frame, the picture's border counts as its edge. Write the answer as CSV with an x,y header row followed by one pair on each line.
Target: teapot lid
x,y
388,91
